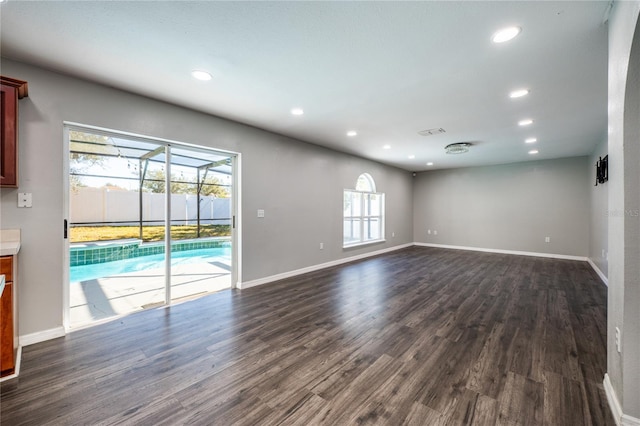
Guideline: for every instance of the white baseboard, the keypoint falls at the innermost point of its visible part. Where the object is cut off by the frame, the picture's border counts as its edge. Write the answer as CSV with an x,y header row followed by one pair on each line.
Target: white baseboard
x,y
602,276
616,409
16,371
614,404
41,336
272,278
514,252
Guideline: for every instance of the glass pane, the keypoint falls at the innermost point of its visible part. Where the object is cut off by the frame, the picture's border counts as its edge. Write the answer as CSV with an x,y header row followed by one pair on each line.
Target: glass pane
x,y
365,204
346,204
375,205
347,231
365,183
121,273
352,203
200,223
111,271
356,204
351,231
371,229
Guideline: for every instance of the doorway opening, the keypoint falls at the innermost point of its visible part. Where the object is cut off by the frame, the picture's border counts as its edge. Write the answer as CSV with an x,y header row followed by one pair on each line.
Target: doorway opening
x,y
149,223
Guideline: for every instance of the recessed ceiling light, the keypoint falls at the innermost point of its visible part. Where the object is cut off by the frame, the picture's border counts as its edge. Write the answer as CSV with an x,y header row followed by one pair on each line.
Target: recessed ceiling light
x,y
505,34
533,152
201,75
519,93
386,147
411,157
297,111
429,163
530,140
352,133
525,122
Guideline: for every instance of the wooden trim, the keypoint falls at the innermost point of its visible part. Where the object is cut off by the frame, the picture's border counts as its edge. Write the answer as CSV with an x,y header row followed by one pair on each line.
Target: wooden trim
x,y
17,369
21,86
6,267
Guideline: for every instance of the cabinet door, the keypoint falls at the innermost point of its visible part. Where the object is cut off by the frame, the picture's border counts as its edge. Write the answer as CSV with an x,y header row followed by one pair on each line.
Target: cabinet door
x,y
9,134
7,360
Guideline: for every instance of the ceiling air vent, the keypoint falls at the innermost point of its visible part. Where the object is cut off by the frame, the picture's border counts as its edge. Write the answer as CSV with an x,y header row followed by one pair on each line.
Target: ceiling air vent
x,y
431,132
457,148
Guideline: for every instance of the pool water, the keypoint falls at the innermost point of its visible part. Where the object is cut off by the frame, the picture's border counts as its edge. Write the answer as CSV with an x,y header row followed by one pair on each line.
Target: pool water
x,y
142,263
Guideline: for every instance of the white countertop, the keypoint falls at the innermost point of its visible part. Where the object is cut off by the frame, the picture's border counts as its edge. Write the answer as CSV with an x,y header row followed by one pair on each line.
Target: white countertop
x,y
9,248
9,242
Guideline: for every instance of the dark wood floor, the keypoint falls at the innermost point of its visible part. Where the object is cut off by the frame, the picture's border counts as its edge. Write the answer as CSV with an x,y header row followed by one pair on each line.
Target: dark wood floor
x,y
421,336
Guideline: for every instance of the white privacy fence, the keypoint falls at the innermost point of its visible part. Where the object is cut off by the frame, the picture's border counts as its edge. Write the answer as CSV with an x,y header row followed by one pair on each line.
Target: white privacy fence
x,y
95,205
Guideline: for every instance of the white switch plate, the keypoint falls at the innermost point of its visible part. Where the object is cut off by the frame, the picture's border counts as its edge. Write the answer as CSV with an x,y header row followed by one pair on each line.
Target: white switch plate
x,y
260,213
321,246
618,340
435,232
25,199
547,239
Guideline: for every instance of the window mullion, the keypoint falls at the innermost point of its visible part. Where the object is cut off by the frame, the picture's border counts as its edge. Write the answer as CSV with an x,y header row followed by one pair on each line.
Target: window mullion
x,y
362,198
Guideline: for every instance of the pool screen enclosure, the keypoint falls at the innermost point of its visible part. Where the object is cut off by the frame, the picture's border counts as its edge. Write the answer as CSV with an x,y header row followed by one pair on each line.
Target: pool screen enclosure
x,y
135,200
208,173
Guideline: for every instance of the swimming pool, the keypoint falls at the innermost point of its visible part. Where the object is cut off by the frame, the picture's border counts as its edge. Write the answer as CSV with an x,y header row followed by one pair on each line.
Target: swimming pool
x,y
141,263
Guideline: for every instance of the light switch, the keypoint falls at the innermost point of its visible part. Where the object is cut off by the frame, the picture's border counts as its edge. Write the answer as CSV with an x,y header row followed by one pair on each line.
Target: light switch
x,y
25,199
260,213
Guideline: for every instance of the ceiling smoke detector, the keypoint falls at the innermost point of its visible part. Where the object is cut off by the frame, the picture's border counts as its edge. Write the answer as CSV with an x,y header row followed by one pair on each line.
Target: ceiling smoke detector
x,y
431,132
457,148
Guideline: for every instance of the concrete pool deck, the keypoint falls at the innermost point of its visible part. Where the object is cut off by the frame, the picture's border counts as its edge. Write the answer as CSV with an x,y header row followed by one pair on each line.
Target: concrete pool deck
x,y
103,298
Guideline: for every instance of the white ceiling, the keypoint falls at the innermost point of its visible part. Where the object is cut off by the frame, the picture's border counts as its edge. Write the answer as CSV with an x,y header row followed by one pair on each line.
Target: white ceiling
x,y
385,69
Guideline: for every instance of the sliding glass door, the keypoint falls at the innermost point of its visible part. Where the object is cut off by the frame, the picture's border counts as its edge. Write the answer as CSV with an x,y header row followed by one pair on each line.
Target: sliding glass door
x,y
149,222
201,219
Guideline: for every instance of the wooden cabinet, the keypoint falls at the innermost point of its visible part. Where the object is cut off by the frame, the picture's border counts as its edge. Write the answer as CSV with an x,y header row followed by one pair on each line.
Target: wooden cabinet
x,y
11,91
8,315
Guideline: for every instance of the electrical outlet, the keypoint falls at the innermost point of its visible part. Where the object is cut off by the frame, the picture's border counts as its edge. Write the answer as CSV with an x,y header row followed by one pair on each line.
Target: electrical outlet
x,y
435,232
25,199
393,234
547,239
260,213
618,340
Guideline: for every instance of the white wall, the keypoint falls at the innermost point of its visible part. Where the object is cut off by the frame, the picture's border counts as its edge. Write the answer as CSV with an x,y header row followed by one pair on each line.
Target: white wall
x,y
623,368
297,184
507,207
599,220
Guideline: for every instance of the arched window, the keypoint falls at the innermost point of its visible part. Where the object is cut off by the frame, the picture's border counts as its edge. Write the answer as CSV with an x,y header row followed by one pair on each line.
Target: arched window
x,y
365,183
363,210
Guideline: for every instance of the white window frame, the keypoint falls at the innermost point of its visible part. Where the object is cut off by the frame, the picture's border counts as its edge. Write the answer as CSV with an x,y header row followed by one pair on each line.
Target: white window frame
x,y
364,218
